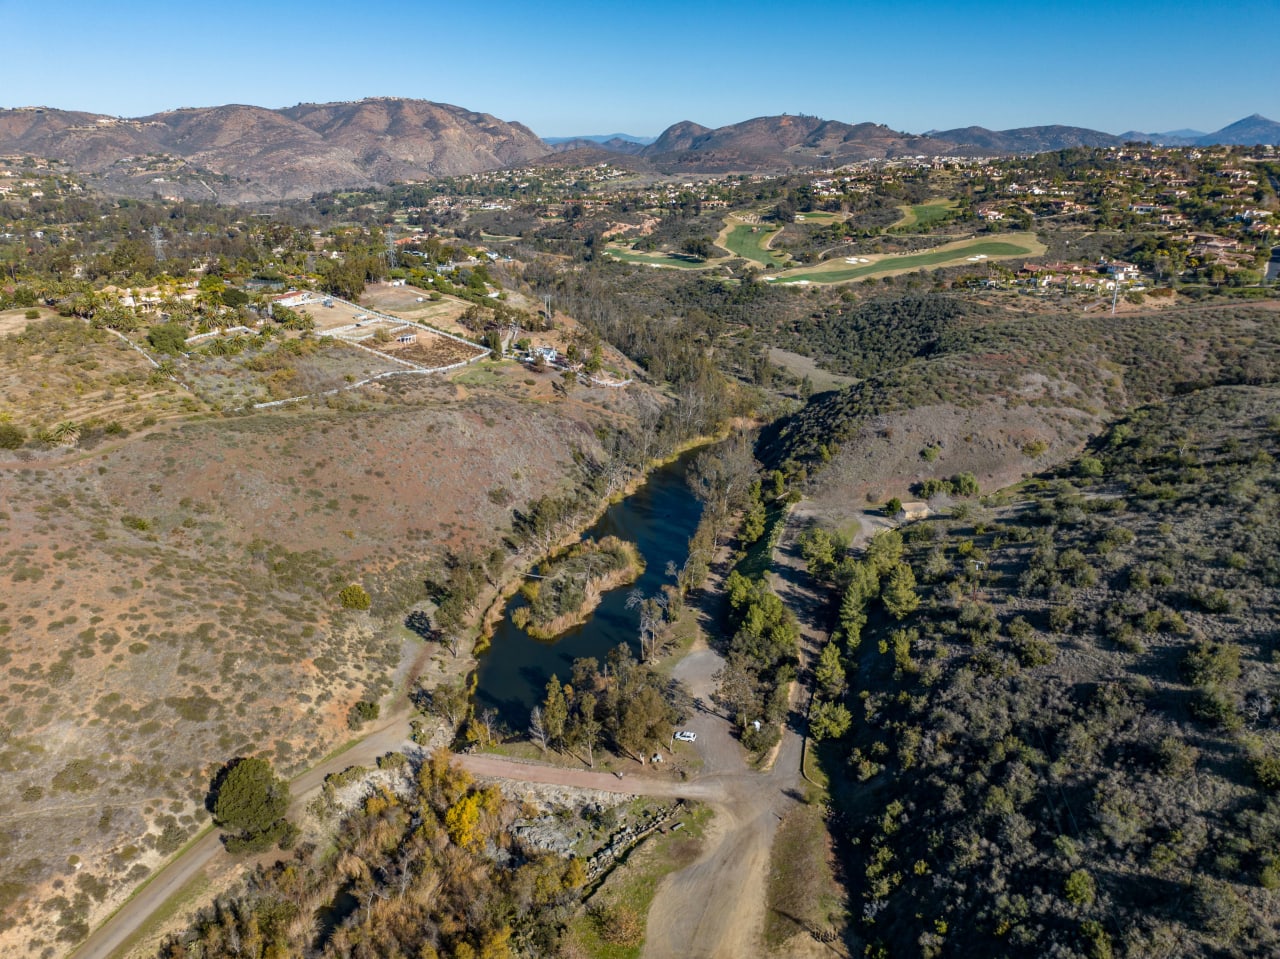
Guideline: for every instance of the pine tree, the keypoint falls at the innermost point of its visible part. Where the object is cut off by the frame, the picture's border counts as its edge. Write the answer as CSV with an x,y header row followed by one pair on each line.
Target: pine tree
x,y
555,712
899,593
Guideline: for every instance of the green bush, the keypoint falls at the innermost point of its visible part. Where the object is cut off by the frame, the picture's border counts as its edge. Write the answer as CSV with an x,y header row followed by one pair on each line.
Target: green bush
x,y
1080,889
362,712
250,805
354,597
1266,770
1211,664
168,337
11,436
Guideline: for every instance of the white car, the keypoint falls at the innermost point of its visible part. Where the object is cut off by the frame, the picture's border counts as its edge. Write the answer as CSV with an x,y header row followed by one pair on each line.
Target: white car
x,y
686,736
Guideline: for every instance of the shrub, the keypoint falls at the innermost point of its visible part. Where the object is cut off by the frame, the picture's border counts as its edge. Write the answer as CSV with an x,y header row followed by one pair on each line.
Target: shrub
x,y
168,337
1080,889
1211,664
1266,770
250,804
354,597
11,436
362,712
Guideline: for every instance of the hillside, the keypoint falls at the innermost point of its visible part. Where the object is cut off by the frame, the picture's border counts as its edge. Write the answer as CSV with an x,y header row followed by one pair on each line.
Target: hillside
x,y
241,153
1246,132
1064,736
970,140
999,396
179,606
778,142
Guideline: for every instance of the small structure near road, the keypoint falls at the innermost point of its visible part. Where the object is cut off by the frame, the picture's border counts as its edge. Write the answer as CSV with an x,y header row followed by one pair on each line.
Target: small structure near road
x,y
912,511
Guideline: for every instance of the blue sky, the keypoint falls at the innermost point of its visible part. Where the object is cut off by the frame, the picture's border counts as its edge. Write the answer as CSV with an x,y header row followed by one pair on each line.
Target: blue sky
x,y
574,67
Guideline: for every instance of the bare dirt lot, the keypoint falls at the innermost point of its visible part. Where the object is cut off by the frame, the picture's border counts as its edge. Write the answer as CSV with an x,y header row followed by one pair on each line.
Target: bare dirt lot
x,y
331,317
426,348
404,301
15,321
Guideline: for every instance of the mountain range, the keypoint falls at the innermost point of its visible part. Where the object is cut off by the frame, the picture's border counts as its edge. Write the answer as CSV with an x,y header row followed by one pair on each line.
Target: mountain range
x,y
1246,132
247,153
239,153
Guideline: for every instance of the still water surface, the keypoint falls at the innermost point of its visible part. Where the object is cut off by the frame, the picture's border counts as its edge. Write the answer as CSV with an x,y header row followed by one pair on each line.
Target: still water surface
x,y
659,518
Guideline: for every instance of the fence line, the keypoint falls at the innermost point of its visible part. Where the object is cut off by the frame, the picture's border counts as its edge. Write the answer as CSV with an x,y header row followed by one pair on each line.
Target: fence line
x,y
398,319
420,371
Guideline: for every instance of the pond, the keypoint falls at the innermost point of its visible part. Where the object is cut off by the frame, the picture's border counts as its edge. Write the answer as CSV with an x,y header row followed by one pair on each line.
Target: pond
x,y
659,518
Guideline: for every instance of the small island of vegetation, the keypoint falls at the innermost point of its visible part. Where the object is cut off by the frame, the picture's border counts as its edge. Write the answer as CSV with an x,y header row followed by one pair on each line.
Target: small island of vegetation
x,y
572,583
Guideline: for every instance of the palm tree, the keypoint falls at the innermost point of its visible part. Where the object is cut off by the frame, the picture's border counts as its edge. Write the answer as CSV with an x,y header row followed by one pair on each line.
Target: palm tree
x,y
66,433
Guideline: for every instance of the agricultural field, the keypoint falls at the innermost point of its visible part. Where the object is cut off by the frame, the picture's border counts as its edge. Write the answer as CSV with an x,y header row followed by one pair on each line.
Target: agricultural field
x,y
56,370
426,349
924,216
442,313
236,372
959,253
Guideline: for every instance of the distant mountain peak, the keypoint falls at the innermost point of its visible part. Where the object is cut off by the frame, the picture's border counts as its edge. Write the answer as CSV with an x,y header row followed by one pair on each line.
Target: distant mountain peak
x,y
260,154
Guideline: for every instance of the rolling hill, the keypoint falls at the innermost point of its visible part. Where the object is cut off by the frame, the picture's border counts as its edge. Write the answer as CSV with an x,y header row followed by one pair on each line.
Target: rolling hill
x,y
246,153
242,153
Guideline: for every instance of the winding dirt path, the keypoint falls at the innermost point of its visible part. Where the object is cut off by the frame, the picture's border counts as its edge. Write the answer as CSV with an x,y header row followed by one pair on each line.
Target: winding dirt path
x,y
712,909
715,908
206,858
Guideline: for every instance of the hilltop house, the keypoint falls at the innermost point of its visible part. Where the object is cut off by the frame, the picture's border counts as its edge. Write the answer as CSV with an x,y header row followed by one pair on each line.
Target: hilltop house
x,y
291,299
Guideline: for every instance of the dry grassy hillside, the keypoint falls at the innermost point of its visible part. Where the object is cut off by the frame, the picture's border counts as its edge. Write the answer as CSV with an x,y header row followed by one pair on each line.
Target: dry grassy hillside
x,y
1007,397
170,603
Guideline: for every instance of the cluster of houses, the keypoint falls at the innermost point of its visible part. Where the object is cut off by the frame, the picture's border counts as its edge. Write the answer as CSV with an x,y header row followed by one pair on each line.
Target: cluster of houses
x,y
1079,277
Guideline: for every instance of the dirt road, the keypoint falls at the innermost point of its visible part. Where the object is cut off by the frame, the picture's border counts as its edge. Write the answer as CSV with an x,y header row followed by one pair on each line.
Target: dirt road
x,y
715,908
206,857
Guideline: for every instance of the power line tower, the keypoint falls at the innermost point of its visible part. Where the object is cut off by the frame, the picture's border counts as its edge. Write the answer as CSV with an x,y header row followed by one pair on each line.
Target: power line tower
x,y
157,243
391,251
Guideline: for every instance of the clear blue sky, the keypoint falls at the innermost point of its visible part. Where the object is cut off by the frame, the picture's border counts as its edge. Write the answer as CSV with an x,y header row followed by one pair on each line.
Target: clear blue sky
x,y
577,68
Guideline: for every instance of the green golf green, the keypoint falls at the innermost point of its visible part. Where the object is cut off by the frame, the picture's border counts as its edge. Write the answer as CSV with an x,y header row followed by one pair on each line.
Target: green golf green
x,y
673,260
748,240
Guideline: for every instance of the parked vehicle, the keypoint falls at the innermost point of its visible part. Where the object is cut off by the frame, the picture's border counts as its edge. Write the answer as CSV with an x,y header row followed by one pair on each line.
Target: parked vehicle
x,y
687,736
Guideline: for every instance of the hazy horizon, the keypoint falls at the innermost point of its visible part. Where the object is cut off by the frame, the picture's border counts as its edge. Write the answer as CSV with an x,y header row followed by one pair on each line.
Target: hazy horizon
x,y
647,135
915,66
